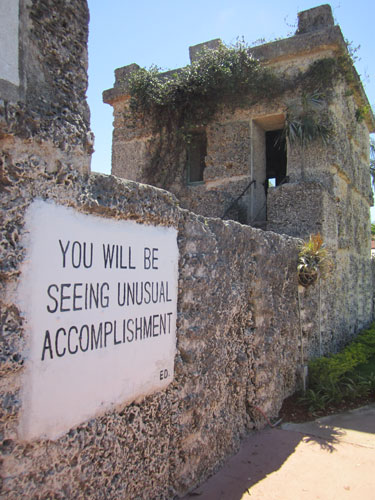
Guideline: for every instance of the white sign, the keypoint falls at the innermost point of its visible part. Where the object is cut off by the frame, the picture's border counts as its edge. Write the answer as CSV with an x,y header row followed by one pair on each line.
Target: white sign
x,y
99,298
9,40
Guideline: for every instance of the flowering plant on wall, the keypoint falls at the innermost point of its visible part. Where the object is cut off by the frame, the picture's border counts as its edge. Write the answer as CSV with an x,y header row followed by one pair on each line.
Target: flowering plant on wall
x,y
313,260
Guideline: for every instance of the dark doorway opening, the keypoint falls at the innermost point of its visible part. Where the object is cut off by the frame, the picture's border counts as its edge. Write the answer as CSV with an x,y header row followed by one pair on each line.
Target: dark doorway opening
x,y
276,158
196,156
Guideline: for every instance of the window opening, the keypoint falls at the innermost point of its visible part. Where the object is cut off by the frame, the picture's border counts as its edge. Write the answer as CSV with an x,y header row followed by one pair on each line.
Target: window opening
x,y
196,155
276,158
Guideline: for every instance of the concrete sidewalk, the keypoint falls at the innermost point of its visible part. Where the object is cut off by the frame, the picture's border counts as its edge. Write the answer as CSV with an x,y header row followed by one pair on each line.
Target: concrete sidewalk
x,y
332,458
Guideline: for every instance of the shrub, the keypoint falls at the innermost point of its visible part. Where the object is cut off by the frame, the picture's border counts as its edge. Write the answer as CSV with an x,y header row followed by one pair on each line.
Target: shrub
x,y
329,369
346,375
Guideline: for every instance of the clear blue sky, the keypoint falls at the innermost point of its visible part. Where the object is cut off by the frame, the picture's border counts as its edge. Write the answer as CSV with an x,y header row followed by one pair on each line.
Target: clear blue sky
x,y
160,31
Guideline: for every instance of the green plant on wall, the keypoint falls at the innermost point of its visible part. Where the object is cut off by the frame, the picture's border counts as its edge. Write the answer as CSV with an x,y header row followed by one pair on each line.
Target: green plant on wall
x,y
313,260
306,120
192,94
361,113
372,162
180,101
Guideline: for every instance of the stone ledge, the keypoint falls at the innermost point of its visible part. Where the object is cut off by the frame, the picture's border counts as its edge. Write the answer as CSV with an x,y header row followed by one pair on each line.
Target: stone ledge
x,y
300,44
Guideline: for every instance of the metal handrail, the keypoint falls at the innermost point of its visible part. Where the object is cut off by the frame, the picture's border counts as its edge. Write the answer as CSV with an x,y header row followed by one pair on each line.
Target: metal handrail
x,y
238,198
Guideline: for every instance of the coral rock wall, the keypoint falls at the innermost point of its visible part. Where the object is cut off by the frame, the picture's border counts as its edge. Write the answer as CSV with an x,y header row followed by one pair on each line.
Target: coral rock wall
x,y
238,331
237,349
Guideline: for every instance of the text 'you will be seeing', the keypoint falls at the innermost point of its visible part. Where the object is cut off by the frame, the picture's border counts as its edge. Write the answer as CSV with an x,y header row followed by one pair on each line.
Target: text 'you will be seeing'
x,y
79,296
99,297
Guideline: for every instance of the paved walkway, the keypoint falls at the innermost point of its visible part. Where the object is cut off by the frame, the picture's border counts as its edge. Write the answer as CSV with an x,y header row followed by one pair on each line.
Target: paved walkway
x,y
332,458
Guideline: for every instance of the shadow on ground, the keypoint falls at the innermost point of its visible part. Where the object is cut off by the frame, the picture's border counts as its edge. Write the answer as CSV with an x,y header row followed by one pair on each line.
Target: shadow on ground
x,y
360,419
351,434
261,454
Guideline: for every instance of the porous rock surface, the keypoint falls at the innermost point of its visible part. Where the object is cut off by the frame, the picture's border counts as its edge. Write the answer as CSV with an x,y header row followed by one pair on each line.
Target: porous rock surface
x,y
326,187
50,102
237,348
239,341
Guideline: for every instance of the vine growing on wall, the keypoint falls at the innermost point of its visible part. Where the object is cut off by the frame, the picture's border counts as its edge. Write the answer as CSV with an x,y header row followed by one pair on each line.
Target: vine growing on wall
x,y
181,100
372,160
192,94
189,96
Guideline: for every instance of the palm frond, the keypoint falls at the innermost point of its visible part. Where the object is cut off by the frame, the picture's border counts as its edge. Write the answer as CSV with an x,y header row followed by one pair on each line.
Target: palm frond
x,y
307,121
